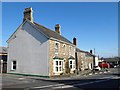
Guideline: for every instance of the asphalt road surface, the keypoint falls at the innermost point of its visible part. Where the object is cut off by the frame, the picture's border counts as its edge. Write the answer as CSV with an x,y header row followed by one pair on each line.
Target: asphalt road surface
x,y
102,81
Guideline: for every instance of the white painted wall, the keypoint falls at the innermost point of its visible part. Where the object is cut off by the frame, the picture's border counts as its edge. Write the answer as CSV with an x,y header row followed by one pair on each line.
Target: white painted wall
x,y
96,61
30,50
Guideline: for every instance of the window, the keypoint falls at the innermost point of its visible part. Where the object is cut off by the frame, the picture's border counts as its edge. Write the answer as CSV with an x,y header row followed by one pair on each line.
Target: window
x,y
72,64
64,49
70,50
14,37
14,65
58,65
56,47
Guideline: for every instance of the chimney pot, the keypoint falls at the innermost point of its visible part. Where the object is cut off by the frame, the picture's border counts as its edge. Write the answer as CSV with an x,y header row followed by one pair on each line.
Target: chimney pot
x,y
74,41
28,14
57,28
91,51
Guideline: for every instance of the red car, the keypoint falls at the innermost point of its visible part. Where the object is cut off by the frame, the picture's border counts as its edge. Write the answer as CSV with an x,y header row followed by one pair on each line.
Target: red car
x,y
104,65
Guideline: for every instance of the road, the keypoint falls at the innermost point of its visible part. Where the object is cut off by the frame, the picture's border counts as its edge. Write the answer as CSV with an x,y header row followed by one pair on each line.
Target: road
x,y
94,85
109,81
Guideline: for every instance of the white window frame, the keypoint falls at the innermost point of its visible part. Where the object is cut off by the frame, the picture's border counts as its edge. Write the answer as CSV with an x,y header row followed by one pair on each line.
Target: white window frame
x,y
57,51
59,66
12,65
73,64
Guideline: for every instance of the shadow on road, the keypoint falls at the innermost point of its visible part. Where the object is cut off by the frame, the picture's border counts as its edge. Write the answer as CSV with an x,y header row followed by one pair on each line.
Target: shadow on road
x,y
87,84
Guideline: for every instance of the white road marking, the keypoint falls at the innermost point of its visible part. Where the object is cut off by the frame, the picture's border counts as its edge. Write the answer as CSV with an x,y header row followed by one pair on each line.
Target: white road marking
x,y
70,86
56,86
107,77
47,86
21,78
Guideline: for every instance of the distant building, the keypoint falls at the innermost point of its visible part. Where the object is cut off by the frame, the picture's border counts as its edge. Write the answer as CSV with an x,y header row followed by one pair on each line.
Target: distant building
x,y
114,60
85,60
3,56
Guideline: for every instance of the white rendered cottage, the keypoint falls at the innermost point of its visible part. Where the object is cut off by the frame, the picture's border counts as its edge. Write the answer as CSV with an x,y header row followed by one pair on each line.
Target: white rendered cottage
x,y
36,50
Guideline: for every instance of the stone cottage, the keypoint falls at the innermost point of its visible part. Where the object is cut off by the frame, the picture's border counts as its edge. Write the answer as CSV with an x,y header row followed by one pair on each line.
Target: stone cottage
x,y
36,50
85,60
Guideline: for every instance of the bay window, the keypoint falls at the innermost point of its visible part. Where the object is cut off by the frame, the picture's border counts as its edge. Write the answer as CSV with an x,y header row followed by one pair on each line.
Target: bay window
x,y
58,66
72,64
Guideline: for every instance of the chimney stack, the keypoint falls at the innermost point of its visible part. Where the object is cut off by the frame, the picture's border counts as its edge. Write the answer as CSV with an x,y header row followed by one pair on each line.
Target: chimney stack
x,y
57,28
28,14
74,41
91,51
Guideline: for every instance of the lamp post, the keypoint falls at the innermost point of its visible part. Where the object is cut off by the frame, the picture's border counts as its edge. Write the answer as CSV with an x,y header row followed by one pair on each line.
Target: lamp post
x,y
1,61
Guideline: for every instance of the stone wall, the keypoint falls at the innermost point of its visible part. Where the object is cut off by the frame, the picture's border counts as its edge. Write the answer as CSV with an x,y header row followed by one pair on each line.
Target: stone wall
x,y
61,54
84,61
81,61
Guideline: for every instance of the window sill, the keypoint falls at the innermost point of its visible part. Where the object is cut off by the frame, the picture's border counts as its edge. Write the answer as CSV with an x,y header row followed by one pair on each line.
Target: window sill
x,y
56,53
13,70
72,69
58,73
63,53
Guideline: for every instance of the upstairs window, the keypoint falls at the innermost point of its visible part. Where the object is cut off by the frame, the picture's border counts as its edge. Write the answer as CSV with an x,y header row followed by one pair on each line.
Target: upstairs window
x,y
70,50
56,48
64,49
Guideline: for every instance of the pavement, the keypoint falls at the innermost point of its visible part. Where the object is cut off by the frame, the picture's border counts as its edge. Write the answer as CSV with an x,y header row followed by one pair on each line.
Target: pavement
x,y
20,77
30,82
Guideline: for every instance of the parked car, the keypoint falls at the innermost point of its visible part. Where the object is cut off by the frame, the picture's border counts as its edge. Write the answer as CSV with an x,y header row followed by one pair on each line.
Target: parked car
x,y
111,65
104,65
116,65
96,68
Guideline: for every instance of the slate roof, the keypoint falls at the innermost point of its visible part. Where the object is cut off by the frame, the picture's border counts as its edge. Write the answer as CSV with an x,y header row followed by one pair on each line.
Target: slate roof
x,y
78,50
51,33
71,57
3,49
88,53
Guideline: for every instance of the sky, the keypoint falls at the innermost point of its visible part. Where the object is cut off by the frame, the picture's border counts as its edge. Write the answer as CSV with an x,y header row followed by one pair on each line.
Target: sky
x,y
60,0
94,24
